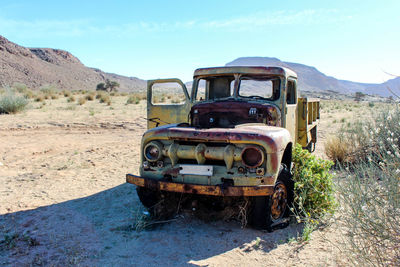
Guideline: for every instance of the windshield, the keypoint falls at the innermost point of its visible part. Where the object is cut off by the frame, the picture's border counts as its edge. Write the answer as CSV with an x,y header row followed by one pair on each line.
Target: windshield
x,y
263,88
225,87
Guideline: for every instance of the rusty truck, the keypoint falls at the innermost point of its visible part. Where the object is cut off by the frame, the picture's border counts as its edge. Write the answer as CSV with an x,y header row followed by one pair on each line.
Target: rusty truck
x,y
230,137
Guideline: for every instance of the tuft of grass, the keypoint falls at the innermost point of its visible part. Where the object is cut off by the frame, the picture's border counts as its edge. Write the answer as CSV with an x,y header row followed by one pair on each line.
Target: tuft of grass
x,y
105,98
48,89
11,103
90,96
39,98
82,101
338,150
71,99
66,93
133,100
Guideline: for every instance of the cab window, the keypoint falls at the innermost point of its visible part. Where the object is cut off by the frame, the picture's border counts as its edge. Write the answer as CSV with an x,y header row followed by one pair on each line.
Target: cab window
x,y
291,96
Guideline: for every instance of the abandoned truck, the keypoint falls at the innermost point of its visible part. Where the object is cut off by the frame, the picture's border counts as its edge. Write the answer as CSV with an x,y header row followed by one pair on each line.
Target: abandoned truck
x,y
231,137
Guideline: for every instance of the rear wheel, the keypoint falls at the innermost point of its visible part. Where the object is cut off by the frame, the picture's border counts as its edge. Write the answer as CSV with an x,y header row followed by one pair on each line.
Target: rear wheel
x,y
269,211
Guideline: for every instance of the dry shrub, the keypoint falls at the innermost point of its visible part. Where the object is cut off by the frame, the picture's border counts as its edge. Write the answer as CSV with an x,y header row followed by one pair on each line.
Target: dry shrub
x,y
28,94
100,94
48,89
71,99
82,101
66,93
105,98
370,191
54,96
39,98
133,100
338,150
90,96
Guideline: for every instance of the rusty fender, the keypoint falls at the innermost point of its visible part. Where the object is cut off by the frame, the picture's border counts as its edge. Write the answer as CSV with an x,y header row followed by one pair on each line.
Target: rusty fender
x,y
211,190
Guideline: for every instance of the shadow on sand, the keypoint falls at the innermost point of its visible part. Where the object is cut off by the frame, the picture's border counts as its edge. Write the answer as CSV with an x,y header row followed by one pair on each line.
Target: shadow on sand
x,y
95,231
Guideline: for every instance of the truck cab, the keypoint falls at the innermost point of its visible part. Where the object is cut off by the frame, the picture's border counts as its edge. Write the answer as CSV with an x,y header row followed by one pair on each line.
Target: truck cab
x,y
232,136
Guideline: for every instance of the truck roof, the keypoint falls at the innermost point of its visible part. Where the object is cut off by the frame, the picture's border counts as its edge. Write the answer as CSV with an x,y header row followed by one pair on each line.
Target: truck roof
x,y
251,70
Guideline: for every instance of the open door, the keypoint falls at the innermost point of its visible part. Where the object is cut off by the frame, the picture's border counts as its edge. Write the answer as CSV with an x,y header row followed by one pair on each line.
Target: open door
x,y
167,102
291,109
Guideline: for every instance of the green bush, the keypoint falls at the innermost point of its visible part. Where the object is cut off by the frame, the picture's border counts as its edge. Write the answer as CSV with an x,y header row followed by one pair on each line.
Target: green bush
x,y
313,188
20,87
10,103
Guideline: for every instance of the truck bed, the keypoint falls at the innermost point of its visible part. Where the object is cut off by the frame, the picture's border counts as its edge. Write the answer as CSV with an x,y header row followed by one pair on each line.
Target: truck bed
x,y
308,119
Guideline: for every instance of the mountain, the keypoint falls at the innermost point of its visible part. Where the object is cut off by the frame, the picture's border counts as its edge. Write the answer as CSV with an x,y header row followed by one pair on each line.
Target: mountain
x,y
312,80
36,67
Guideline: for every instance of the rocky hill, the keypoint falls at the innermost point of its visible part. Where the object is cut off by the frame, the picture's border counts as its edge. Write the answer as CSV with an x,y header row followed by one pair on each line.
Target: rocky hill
x,y
37,67
312,80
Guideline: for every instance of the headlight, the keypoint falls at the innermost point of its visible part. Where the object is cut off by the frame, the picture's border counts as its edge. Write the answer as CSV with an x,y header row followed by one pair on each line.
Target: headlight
x,y
153,151
252,156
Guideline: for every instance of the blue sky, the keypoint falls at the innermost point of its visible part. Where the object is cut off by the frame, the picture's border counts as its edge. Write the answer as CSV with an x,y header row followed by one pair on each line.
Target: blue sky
x,y
353,40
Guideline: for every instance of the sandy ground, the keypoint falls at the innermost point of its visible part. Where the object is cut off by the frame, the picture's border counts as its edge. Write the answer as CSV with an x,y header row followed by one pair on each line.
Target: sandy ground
x,y
64,200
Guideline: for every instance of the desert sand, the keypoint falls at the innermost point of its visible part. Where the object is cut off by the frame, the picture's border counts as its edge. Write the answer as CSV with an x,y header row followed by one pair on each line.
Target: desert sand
x,y
64,200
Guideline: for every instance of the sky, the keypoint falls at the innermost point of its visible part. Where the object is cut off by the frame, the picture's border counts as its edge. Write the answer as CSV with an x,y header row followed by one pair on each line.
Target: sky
x,y
351,40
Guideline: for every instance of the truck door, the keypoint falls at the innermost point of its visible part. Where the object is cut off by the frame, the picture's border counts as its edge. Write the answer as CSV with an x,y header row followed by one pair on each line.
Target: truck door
x,y
291,109
167,102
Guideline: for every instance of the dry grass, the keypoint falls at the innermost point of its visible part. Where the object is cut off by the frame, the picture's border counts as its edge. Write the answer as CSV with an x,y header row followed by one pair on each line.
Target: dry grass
x,y
90,96
105,98
66,93
338,150
82,101
39,98
133,100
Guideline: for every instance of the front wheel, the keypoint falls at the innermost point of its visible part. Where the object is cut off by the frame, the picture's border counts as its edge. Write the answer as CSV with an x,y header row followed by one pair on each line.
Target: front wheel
x,y
270,210
161,204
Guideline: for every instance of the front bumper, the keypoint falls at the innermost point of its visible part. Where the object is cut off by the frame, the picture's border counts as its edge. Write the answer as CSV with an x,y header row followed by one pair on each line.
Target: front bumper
x,y
211,190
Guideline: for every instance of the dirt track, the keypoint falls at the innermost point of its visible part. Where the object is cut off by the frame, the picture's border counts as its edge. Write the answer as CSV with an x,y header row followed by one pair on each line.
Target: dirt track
x,y
64,200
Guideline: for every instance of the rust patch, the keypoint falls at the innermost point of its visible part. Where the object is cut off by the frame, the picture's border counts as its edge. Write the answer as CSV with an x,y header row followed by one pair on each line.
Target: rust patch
x,y
212,190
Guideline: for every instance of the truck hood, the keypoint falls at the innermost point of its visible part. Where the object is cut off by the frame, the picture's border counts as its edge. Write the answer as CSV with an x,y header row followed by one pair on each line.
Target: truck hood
x,y
273,139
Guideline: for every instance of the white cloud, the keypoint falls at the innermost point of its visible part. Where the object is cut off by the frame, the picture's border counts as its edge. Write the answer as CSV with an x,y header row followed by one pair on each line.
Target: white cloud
x,y
256,21
263,19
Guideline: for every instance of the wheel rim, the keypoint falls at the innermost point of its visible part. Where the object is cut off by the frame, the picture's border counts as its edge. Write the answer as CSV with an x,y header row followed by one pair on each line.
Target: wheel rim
x,y
278,201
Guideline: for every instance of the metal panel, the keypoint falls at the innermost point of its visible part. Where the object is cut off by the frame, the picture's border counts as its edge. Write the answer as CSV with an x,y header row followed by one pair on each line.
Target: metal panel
x,y
206,170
